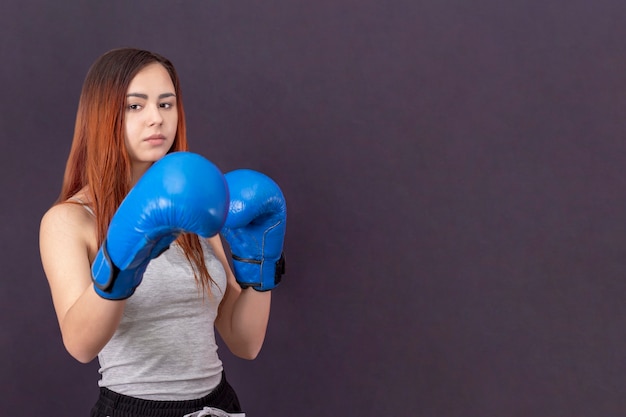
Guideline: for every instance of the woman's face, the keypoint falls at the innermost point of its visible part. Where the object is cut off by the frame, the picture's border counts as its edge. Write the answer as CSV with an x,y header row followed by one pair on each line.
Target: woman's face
x,y
151,116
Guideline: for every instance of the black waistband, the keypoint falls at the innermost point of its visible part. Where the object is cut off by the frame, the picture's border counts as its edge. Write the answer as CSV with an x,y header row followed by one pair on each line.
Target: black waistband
x,y
113,404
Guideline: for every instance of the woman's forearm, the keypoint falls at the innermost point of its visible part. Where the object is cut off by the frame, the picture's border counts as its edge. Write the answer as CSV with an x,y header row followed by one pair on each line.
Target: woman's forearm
x,y
247,326
89,324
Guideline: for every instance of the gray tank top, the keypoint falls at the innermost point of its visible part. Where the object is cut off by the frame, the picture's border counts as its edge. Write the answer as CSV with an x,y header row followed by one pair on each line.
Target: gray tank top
x,y
164,347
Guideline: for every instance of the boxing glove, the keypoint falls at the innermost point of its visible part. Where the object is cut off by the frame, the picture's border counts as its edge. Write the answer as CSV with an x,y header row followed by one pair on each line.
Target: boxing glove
x,y
181,192
255,229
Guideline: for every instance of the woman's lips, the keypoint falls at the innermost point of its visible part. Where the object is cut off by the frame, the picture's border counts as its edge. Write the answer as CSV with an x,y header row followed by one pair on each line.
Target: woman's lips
x,y
155,139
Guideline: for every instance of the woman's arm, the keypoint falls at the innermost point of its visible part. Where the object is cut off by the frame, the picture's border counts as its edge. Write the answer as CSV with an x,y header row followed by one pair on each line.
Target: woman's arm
x,y
243,314
67,246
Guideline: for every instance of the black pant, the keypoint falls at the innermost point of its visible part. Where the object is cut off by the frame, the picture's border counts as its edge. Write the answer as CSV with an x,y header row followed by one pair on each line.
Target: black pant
x,y
112,404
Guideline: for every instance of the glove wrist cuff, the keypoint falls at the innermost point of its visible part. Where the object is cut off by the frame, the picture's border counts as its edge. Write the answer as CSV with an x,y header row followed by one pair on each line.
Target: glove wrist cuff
x,y
103,271
104,274
261,275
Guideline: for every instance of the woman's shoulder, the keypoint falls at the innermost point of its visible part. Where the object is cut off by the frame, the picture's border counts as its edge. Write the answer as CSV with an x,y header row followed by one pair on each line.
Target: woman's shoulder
x,y
71,213
67,225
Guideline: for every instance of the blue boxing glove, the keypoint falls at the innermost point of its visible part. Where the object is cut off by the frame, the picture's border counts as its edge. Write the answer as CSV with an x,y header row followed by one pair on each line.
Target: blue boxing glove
x,y
255,229
181,192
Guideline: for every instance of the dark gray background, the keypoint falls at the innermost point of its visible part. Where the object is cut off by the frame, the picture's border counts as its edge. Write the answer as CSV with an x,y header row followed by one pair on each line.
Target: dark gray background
x,y
454,171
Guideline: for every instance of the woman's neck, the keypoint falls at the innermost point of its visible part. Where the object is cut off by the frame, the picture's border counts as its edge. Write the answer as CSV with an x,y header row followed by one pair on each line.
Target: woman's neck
x,y
138,169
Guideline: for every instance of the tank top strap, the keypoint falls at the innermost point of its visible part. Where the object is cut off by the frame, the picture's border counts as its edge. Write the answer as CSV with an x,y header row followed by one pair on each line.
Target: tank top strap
x,y
82,203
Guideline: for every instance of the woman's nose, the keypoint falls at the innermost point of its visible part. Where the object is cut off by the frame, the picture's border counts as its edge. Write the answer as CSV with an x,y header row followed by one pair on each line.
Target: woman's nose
x,y
154,116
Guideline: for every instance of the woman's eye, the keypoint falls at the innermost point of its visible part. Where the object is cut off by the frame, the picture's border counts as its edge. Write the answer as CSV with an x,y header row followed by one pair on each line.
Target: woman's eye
x,y
166,105
134,107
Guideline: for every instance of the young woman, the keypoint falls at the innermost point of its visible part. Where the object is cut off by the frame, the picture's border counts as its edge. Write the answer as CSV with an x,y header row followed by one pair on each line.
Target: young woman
x,y
151,326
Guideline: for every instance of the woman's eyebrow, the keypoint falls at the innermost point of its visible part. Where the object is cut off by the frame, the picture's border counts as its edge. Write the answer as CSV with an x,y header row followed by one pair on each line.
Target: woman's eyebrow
x,y
145,96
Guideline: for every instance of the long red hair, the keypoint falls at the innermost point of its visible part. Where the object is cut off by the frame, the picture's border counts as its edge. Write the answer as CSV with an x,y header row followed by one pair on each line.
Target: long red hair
x,y
98,158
